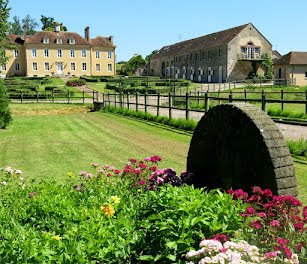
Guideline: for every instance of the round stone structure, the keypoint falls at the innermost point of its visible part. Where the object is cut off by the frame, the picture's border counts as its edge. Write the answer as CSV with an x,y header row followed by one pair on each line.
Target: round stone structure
x,y
238,146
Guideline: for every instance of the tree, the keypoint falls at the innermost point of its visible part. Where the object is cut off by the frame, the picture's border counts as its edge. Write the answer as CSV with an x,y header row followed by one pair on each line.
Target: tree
x,y
5,43
31,24
147,58
49,23
16,27
133,64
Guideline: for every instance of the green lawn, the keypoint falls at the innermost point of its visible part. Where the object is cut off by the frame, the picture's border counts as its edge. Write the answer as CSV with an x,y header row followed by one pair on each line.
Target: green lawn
x,y
49,146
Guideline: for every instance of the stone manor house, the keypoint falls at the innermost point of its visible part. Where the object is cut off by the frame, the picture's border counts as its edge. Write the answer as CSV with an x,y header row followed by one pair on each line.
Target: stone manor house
x,y
223,56
60,53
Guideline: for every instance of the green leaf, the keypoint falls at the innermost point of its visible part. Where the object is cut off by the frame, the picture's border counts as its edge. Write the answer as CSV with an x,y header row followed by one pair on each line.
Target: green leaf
x,y
171,257
171,244
146,257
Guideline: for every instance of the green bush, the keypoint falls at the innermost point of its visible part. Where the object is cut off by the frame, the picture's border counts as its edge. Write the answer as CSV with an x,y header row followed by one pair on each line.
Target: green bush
x,y
5,114
76,82
298,148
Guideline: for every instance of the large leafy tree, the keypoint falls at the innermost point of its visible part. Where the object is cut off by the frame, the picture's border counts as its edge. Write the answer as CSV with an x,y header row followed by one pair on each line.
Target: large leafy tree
x,y
16,27
147,58
133,64
49,23
5,114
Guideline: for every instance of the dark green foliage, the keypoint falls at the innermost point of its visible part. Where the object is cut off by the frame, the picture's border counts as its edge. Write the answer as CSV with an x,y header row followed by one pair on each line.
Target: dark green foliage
x,y
76,82
49,23
15,26
5,114
133,64
298,148
285,113
148,57
268,64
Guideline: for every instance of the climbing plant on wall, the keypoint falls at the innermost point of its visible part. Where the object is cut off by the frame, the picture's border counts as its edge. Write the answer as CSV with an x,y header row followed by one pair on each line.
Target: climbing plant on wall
x,y
268,64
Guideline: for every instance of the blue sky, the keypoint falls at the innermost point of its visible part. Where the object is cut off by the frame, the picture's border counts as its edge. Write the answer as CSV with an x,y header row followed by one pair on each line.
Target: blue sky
x,y
143,26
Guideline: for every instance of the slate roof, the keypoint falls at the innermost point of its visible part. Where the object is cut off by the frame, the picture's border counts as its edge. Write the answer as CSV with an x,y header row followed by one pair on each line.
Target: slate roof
x,y
64,35
293,57
208,41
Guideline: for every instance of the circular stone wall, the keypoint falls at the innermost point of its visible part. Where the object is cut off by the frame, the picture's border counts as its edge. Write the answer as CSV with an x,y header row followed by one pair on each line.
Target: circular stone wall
x,y
238,146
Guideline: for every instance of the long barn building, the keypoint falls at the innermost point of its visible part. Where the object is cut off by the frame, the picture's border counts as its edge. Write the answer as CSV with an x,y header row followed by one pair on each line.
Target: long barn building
x,y
223,56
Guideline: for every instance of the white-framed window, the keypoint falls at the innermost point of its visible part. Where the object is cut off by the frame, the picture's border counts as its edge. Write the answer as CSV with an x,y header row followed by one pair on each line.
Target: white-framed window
x,y
3,67
83,53
34,53
46,40
73,66
72,53
46,52
109,54
97,67
34,66
16,53
109,67
47,66
17,66
59,41
71,41
97,54
83,66
59,53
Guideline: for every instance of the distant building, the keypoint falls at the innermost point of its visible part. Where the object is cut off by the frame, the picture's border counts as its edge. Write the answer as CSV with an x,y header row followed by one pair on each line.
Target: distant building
x,y
218,57
138,71
292,66
276,55
60,53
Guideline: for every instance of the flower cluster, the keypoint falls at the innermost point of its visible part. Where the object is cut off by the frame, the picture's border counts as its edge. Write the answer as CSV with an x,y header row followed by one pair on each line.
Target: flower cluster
x,y
215,251
11,176
107,209
162,177
272,218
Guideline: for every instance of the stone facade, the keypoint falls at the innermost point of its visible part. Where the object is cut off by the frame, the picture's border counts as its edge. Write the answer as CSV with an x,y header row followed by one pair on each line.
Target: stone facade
x,y
60,54
219,57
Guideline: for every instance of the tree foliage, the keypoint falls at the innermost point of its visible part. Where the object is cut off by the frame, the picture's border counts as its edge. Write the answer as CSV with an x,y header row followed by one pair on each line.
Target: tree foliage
x,y
49,23
16,27
268,64
147,58
133,64
5,43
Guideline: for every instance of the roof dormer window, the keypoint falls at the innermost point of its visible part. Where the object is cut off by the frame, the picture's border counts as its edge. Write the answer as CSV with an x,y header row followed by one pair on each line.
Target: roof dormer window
x,y
59,41
46,40
71,41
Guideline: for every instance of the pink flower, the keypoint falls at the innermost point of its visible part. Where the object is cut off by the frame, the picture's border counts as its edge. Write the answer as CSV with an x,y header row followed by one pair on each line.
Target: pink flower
x,y
299,247
250,210
274,223
32,194
153,168
261,214
82,173
109,174
4,183
287,251
21,178
305,211
267,192
147,159
95,165
18,172
133,160
101,171
271,255
142,182
117,171
143,166
137,171
299,226
105,166
256,189
221,237
281,241
111,168
126,170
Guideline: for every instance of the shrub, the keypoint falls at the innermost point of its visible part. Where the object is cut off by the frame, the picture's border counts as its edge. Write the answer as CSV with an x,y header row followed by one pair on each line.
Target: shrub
x,y
76,82
5,114
298,148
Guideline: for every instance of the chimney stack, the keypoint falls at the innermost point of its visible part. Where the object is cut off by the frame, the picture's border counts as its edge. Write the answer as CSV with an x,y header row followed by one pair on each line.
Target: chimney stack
x,y
25,30
111,39
57,27
87,33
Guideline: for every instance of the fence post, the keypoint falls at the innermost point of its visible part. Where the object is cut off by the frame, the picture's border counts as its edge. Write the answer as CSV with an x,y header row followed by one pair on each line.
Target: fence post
x,y
260,83
158,104
128,103
306,103
68,99
103,100
263,102
36,96
282,99
169,105
52,95
198,98
214,87
97,96
83,96
136,101
206,102
145,101
109,102
115,103
230,98
245,95
219,96
21,96
187,99
229,86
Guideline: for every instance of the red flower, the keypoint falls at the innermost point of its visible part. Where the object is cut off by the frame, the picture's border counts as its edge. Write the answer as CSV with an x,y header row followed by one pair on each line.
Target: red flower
x,y
221,237
287,251
250,210
281,241
117,171
299,247
267,193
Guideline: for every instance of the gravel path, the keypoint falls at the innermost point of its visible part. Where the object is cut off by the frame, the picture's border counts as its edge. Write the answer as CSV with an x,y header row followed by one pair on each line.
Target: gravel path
x,y
293,131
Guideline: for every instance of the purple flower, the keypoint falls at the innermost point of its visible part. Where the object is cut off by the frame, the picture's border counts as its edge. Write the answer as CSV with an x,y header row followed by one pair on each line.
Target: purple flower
x,y
82,173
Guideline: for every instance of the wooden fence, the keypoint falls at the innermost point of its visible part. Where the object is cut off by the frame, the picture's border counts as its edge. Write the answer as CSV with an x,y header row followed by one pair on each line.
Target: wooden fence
x,y
52,96
136,101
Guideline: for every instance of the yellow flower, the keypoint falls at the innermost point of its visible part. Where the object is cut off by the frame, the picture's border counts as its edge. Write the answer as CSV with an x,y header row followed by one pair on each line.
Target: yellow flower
x,y
75,230
107,209
57,237
115,199
139,190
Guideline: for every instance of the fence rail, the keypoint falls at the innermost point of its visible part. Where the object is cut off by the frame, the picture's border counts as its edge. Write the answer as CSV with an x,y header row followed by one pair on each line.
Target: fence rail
x,y
52,96
171,101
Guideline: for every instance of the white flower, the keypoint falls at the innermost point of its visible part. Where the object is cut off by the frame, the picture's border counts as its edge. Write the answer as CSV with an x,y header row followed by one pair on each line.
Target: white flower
x,y
18,171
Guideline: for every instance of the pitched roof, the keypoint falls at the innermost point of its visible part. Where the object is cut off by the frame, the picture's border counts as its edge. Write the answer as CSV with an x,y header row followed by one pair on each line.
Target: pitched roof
x,y
64,35
293,57
16,39
102,42
208,41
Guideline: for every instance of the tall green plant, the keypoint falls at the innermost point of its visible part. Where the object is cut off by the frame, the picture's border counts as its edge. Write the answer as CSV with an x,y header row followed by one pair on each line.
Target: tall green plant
x,y
268,64
5,113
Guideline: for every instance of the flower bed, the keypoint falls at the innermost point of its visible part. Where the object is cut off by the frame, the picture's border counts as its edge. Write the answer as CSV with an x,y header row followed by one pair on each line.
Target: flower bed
x,y
138,214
